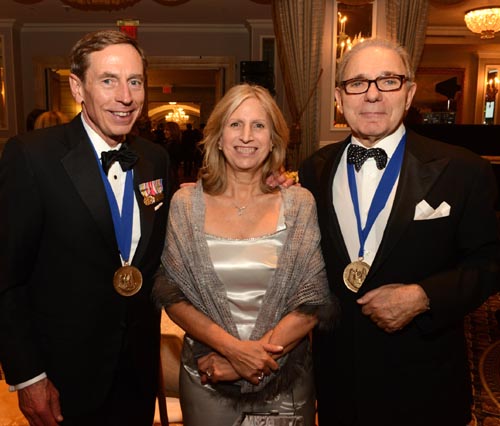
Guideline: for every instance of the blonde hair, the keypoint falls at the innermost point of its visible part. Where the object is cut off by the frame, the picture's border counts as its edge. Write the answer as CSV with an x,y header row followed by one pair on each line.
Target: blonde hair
x,y
49,119
213,172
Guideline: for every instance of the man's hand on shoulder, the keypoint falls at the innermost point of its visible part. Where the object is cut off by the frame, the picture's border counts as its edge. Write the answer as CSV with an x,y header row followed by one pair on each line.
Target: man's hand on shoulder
x,y
283,178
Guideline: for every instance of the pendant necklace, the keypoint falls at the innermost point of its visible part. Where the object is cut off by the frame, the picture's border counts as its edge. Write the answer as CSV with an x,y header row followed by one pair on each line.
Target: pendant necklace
x,y
240,209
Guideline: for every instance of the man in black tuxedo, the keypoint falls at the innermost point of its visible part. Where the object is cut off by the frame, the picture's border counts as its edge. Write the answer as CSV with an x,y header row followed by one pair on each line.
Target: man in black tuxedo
x,y
411,246
82,231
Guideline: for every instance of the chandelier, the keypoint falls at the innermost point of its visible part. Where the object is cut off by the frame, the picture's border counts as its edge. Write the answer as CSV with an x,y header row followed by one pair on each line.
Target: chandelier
x,y
484,21
177,114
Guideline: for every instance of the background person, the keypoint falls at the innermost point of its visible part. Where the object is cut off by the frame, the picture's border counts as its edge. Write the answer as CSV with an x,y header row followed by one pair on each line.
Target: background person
x,y
190,137
31,118
411,246
173,142
76,344
251,283
49,119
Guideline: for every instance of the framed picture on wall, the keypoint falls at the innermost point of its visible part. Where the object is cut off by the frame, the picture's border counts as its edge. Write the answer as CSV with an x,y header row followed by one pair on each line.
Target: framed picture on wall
x,y
438,99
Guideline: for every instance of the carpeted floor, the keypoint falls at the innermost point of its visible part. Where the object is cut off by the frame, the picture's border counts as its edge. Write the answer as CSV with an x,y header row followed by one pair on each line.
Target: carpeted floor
x,y
483,338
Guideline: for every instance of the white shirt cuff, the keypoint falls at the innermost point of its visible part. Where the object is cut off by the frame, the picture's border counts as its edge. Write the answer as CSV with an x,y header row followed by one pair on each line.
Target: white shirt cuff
x,y
27,383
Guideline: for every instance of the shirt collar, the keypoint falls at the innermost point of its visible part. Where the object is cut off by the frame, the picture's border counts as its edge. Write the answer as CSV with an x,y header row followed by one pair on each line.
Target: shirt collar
x,y
97,141
389,143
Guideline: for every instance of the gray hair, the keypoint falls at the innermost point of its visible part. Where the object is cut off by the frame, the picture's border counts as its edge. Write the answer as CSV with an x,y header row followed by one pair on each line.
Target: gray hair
x,y
376,42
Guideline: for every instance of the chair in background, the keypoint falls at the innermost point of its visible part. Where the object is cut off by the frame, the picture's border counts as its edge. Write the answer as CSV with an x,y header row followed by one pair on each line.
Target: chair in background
x,y
168,409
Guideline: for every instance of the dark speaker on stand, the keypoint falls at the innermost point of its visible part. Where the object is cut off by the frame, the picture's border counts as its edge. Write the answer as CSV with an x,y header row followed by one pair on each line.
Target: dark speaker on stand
x,y
257,72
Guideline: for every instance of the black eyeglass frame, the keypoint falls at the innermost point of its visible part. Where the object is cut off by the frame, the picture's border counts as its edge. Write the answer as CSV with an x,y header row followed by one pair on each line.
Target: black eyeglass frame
x,y
401,77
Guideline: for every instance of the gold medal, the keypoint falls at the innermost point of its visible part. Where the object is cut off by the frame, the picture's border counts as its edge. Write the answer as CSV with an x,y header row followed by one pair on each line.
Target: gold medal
x,y
127,280
149,199
355,274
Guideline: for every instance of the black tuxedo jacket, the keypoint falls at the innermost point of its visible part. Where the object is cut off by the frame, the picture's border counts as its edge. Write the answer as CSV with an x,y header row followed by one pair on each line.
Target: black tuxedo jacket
x,y
59,312
418,375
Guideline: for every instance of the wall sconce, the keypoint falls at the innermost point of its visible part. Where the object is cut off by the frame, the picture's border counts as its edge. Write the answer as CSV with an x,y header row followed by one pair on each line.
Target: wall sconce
x,y
492,89
484,21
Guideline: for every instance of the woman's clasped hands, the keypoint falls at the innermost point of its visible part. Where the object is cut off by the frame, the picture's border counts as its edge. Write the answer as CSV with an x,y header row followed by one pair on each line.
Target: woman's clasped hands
x,y
250,360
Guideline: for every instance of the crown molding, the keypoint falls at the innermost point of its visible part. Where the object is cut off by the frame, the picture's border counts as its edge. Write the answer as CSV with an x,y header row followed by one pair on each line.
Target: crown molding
x,y
151,28
8,23
447,31
454,35
261,23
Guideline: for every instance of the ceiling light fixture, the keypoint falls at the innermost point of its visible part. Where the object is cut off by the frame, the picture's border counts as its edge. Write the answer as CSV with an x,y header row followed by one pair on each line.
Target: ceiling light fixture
x,y
177,114
484,21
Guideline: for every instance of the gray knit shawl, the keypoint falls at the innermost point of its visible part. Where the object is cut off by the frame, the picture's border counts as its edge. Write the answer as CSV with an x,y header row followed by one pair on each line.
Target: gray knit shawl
x,y
299,279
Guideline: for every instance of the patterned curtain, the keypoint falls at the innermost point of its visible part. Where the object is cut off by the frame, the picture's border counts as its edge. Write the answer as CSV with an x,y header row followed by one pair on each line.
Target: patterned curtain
x,y
298,27
407,24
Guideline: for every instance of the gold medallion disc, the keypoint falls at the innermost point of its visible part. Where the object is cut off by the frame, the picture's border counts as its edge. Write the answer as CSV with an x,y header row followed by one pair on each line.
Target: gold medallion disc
x,y
127,280
355,274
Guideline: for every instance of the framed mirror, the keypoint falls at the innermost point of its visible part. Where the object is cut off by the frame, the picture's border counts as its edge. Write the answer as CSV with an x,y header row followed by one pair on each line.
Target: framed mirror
x,y
487,102
491,98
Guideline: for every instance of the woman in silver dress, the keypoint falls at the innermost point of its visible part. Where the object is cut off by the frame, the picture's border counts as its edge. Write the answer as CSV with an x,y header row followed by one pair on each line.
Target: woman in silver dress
x,y
243,273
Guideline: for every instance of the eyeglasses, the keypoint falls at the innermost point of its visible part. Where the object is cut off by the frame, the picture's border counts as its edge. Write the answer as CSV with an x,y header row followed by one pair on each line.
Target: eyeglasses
x,y
386,83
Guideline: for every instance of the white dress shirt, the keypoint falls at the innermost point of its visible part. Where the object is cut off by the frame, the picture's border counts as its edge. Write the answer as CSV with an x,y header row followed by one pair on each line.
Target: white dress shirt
x,y
116,178
367,180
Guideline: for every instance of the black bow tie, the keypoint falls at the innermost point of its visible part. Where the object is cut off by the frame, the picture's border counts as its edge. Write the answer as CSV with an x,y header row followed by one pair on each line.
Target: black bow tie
x,y
357,155
125,156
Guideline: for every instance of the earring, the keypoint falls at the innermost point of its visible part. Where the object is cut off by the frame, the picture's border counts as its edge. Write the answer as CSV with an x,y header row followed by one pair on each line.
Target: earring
x,y
220,147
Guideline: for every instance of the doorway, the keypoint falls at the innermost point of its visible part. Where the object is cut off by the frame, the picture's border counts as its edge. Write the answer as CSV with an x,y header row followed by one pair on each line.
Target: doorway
x,y
194,84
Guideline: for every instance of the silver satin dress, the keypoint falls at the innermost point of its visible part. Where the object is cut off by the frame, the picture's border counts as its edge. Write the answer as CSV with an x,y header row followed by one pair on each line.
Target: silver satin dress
x,y
245,267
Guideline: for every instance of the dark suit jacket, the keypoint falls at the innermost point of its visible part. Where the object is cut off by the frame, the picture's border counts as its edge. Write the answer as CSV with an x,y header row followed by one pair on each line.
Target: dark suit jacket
x,y
418,375
59,312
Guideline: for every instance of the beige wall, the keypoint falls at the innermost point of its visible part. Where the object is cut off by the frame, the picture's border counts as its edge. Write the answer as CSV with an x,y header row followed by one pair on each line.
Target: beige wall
x,y
49,46
457,49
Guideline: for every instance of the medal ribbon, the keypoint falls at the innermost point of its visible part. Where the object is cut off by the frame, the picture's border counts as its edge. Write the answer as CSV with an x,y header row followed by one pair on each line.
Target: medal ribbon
x,y
122,223
381,196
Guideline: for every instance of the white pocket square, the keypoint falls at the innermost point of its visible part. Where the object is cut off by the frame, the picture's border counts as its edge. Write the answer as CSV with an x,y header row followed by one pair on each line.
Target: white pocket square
x,y
423,211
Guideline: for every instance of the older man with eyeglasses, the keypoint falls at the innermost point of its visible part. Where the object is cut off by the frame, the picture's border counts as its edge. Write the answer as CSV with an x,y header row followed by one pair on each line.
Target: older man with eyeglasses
x,y
409,236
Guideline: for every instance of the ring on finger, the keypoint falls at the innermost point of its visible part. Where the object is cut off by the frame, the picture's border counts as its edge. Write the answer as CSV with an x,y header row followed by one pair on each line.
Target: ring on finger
x,y
261,376
208,373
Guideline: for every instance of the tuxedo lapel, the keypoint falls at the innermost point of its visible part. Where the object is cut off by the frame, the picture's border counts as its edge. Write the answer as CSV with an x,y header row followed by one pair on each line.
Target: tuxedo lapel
x,y
328,176
143,173
81,165
419,171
